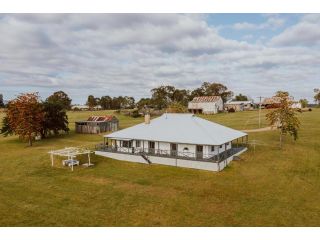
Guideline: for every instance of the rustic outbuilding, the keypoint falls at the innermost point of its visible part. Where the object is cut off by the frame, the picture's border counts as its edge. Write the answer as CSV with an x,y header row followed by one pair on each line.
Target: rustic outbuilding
x,y
97,124
182,140
239,105
206,105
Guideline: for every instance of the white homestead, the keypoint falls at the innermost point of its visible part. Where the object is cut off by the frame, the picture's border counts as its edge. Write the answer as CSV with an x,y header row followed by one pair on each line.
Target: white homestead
x,y
175,139
206,105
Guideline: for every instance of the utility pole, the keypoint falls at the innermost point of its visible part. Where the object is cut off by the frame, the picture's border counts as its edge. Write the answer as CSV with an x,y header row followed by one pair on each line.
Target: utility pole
x,y
260,112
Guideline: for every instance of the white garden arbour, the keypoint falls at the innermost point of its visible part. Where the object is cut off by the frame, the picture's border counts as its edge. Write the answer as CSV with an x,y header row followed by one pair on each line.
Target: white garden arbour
x,y
71,153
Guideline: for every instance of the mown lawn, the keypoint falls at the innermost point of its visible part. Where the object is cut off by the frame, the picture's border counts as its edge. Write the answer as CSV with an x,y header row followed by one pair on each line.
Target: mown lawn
x,y
270,187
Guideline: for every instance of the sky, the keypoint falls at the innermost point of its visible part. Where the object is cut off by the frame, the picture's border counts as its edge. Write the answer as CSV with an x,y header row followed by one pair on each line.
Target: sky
x,y
129,54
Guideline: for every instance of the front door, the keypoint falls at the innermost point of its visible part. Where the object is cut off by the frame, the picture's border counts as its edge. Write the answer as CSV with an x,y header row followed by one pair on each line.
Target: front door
x,y
151,146
199,151
173,149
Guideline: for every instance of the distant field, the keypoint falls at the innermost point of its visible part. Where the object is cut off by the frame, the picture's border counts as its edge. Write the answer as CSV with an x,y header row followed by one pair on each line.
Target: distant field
x,y
271,187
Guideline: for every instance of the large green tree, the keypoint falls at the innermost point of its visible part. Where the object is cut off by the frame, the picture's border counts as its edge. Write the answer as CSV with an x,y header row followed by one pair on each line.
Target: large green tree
x,y
62,98
304,103
161,96
106,102
284,118
92,101
55,119
6,129
144,102
212,89
241,97
164,95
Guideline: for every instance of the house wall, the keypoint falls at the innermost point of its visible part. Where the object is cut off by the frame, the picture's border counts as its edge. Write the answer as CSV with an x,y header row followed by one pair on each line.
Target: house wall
x,y
209,166
166,148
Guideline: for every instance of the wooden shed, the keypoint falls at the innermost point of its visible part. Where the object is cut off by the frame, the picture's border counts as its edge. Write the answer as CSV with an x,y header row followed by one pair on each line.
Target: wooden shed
x,y
97,124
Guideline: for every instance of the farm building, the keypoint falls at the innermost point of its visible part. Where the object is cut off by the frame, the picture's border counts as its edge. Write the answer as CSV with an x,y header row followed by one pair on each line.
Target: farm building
x,y
85,108
80,107
182,140
97,124
274,102
206,105
238,105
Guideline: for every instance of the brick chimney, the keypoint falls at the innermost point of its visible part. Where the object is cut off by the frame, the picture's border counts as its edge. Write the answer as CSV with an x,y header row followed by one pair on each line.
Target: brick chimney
x,y
147,118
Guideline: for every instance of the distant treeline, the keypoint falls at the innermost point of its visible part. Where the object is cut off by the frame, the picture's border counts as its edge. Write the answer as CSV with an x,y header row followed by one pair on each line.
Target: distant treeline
x,y
162,97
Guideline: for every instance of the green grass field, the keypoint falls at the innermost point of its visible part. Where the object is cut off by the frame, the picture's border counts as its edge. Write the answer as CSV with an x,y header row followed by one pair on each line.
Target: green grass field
x,y
270,187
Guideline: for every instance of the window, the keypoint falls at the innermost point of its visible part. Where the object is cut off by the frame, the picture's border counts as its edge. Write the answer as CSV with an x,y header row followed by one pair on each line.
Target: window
x,y
151,145
186,149
212,148
199,148
125,143
138,143
221,146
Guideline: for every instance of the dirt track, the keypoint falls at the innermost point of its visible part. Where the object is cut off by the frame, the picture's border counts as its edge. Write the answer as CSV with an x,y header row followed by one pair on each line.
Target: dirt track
x,y
259,129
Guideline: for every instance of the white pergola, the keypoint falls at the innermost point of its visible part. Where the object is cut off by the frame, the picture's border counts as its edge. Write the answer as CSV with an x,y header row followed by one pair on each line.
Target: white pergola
x,y
71,153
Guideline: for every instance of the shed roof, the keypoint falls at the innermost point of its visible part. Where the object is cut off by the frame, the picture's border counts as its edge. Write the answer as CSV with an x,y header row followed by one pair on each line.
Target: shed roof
x,y
180,128
106,118
206,99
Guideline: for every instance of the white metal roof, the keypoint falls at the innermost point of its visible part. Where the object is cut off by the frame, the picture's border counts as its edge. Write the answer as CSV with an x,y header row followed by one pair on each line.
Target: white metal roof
x,y
180,128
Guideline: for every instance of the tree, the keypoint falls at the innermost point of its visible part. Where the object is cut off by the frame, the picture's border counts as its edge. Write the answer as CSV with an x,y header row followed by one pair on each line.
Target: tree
x,y
6,129
92,101
241,97
282,94
25,116
285,118
62,98
106,102
304,103
162,96
128,102
176,107
317,96
55,119
180,96
213,89
1,101
144,102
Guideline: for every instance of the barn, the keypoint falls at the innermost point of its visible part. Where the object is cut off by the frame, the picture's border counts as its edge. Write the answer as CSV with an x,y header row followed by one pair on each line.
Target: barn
x,y
206,105
97,124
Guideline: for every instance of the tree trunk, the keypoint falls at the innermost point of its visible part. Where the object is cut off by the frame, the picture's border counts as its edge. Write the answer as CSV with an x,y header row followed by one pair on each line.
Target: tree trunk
x,y
280,139
30,141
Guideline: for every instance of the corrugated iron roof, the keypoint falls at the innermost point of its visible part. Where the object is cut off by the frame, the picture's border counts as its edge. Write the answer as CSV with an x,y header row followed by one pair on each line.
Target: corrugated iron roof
x,y
206,99
180,128
100,118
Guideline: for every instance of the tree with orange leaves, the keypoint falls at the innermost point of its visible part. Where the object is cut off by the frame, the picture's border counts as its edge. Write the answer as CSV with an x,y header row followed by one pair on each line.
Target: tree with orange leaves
x,y
25,116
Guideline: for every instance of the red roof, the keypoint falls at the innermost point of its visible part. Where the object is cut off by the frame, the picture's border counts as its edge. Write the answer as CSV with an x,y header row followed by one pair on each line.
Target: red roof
x,y
206,99
100,118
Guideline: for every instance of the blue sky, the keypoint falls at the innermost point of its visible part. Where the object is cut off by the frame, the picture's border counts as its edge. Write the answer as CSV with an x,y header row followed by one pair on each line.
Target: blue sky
x,y
228,20
129,54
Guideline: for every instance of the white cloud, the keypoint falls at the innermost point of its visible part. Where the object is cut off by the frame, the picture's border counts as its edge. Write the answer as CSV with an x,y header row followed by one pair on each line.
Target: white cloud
x,y
273,22
127,54
306,32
